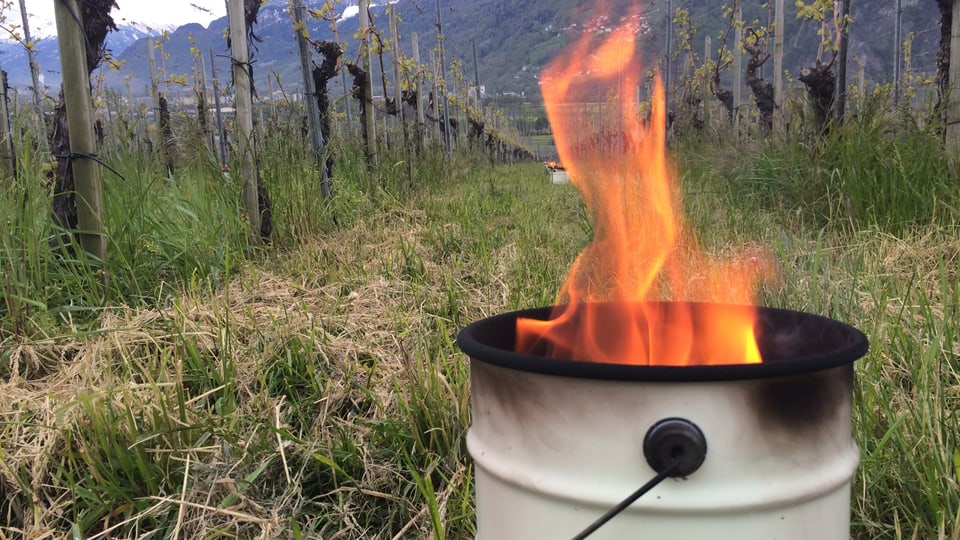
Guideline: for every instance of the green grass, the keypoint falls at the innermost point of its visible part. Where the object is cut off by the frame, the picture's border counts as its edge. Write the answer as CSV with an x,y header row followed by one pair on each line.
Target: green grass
x,y
312,388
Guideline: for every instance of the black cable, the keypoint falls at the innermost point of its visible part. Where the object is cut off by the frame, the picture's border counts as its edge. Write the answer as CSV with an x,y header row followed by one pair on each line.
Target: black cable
x,y
248,64
74,155
622,505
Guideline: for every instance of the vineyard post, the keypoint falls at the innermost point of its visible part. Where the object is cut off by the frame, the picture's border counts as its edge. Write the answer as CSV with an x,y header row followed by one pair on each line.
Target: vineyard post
x,y
397,93
133,113
273,102
479,103
442,84
861,82
370,125
386,129
80,121
707,112
34,74
897,52
244,107
154,85
953,107
779,118
343,74
218,110
476,75
260,123
437,131
421,120
737,71
840,97
666,68
208,135
155,96
7,154
309,94
109,103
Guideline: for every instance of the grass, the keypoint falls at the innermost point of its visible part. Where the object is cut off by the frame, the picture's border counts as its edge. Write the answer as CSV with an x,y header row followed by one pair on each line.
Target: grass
x,y
313,389
893,274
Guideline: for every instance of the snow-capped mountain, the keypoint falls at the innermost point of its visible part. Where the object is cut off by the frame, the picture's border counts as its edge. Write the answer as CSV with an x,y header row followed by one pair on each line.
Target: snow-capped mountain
x,y
13,54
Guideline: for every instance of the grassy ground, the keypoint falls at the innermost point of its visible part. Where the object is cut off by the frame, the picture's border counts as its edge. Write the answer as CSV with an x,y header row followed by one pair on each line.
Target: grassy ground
x,y
312,388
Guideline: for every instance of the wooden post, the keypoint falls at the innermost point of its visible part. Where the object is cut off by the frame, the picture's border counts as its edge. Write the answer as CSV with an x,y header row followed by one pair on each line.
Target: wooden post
x,y
397,94
202,97
667,65
7,151
309,94
160,144
154,84
861,85
108,101
476,77
261,122
218,111
436,102
840,90
34,74
707,96
779,117
132,113
737,70
897,53
343,75
418,86
244,107
370,125
386,131
80,122
953,108
442,84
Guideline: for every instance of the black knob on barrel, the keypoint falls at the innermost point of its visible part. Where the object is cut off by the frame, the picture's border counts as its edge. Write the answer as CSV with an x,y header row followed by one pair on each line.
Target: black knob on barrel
x,y
675,439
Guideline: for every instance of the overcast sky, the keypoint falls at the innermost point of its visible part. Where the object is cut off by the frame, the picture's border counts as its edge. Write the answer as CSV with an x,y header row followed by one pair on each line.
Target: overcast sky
x,y
163,13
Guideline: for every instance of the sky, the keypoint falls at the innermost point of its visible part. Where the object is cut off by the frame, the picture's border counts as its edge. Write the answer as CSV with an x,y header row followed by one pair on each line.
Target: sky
x,y
152,13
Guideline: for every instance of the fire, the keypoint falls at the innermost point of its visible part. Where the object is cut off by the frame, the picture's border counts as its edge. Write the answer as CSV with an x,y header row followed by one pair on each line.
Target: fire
x,y
553,165
609,308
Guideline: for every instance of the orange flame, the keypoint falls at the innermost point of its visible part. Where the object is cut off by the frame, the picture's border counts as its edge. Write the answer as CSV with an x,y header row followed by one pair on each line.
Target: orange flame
x,y
607,311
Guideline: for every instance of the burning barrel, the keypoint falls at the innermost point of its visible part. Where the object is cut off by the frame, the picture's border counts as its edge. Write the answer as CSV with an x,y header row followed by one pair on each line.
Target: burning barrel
x,y
757,450
619,414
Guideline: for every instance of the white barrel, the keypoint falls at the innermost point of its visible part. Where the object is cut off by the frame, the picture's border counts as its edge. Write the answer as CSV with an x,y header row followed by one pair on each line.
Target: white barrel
x,y
554,452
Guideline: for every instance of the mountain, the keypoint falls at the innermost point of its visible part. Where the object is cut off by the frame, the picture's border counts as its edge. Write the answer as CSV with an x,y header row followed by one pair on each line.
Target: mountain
x,y
13,56
513,39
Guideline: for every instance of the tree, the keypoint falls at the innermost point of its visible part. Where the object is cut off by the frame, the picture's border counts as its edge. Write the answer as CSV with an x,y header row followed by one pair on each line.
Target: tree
x,y
724,59
762,89
820,79
690,76
541,125
331,52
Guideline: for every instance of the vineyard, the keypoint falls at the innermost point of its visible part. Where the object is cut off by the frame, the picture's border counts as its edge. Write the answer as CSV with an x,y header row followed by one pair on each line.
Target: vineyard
x,y
233,314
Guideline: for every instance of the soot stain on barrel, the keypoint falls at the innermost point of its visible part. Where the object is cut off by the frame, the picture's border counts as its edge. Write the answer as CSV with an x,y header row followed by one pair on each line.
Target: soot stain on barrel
x,y
801,404
503,391
798,405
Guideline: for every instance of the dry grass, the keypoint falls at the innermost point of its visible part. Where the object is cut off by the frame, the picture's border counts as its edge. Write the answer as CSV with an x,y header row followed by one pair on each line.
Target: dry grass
x,y
362,305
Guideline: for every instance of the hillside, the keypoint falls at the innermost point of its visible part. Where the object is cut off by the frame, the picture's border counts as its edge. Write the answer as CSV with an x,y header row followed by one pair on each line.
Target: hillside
x,y
513,40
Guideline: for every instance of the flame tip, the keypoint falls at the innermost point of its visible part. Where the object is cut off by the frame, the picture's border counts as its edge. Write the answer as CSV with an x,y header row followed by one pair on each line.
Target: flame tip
x,y
640,249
